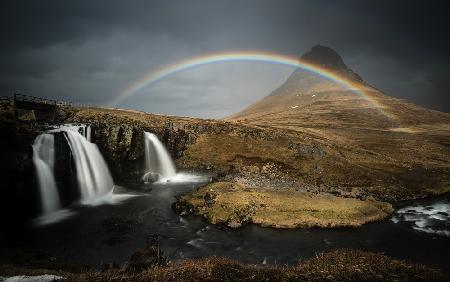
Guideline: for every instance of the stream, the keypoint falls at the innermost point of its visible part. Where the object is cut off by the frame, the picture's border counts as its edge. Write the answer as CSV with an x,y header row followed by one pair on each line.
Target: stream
x,y
111,233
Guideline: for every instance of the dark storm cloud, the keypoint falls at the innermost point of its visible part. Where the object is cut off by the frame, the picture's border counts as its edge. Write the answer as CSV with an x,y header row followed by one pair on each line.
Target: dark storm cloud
x,y
88,51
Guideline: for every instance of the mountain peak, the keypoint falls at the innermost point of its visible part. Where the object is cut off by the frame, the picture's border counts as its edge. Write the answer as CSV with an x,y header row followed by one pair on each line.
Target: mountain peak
x,y
324,56
329,59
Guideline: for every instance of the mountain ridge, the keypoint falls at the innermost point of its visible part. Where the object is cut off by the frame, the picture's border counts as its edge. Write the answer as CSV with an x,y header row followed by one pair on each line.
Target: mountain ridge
x,y
327,58
310,100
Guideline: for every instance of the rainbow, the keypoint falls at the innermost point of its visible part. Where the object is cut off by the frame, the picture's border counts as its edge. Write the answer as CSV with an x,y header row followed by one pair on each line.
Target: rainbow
x,y
252,56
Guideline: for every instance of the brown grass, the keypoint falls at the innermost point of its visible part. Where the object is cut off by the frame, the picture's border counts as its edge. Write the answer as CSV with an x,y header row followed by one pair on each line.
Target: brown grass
x,y
378,162
338,265
234,205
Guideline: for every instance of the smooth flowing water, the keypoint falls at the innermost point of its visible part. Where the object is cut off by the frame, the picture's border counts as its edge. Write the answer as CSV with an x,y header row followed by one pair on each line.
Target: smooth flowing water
x,y
44,159
112,233
157,159
93,177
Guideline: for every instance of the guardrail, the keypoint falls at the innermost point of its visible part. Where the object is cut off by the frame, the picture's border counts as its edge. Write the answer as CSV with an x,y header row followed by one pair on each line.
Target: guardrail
x,y
33,99
38,100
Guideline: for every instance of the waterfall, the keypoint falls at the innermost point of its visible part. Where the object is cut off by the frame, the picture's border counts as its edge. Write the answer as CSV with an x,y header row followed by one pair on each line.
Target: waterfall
x,y
88,133
94,178
157,159
83,129
43,159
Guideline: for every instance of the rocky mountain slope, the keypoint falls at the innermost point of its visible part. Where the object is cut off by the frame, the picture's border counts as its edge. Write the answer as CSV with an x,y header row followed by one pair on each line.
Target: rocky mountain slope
x,y
391,140
308,100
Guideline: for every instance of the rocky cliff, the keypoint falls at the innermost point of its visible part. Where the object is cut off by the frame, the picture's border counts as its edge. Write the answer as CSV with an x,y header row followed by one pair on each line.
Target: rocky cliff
x,y
276,158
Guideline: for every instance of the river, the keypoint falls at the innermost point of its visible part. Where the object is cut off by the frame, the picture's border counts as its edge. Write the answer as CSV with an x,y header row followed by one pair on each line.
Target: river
x,y
111,233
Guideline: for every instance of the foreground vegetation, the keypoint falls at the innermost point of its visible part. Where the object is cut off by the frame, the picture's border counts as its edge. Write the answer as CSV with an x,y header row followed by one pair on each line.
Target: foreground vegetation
x,y
338,265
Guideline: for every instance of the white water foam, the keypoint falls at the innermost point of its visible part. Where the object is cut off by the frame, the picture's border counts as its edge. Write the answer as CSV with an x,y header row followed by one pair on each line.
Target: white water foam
x,y
37,278
109,199
53,217
159,163
198,243
433,219
184,178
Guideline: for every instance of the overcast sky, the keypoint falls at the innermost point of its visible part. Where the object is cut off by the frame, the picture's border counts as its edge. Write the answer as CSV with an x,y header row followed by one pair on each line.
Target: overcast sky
x,y
90,51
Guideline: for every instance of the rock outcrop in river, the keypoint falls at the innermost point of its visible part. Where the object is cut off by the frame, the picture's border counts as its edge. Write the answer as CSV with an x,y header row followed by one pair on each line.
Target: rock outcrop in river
x,y
233,205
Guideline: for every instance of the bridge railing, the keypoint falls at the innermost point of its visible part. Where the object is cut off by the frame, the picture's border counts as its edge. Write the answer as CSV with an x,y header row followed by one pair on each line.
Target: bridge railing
x,y
33,99
38,100
6,98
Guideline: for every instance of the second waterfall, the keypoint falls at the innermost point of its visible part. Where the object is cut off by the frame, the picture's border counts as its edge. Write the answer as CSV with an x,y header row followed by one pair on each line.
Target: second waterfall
x,y
158,163
94,178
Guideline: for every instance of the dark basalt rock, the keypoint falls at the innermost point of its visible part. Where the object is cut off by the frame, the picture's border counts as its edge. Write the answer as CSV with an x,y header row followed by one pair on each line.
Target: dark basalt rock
x,y
64,171
122,147
150,256
16,171
150,177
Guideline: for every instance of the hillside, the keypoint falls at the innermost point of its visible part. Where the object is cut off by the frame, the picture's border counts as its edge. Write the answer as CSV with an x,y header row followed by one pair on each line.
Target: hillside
x,y
308,100
356,142
379,139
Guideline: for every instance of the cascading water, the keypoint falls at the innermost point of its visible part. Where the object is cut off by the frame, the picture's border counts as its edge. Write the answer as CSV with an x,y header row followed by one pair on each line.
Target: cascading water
x,y
94,178
157,159
83,129
43,159
88,133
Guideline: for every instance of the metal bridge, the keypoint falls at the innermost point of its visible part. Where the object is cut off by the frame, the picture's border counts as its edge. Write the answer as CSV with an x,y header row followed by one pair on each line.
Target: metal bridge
x,y
26,102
